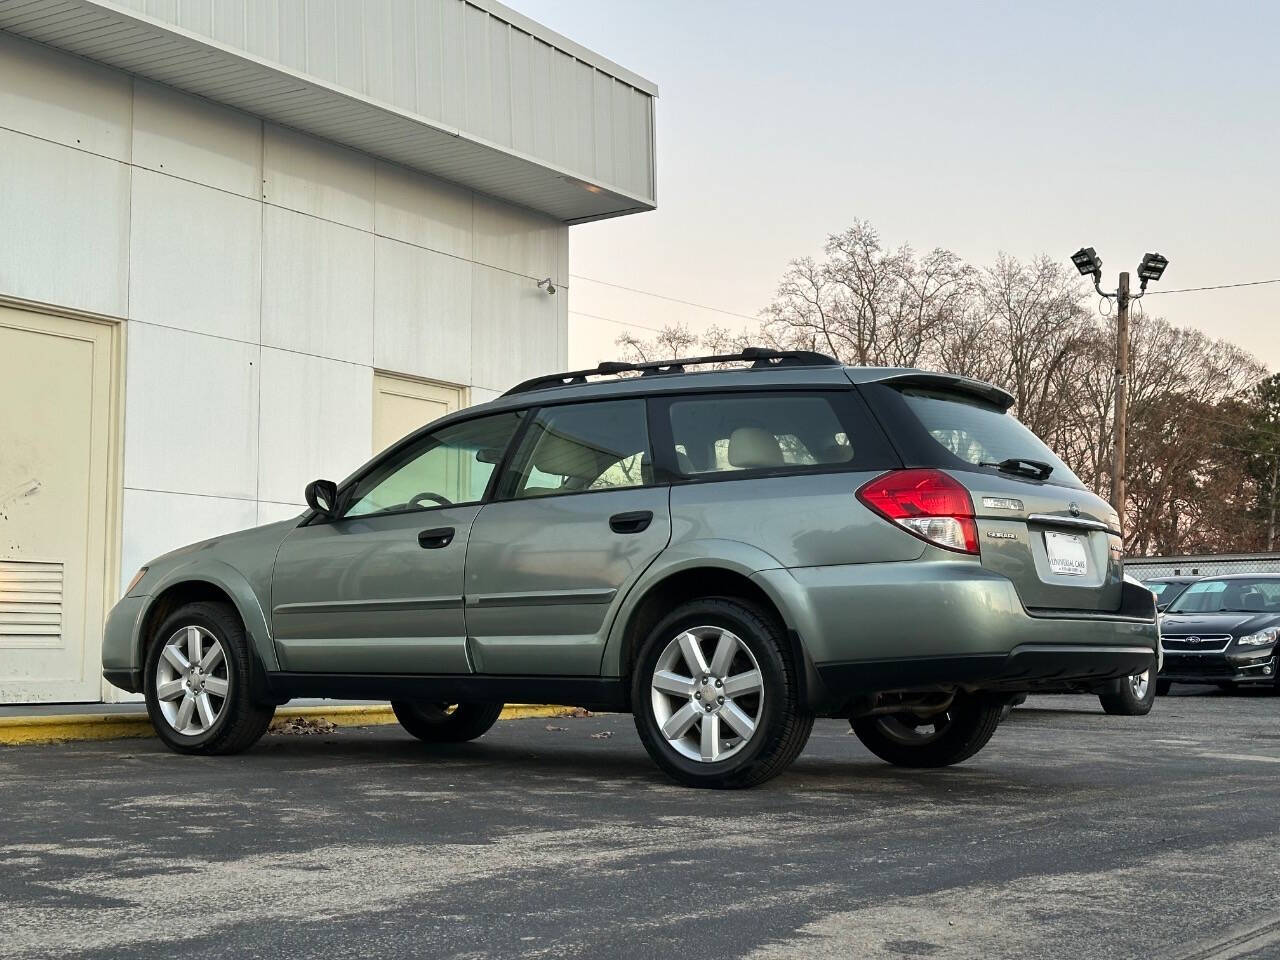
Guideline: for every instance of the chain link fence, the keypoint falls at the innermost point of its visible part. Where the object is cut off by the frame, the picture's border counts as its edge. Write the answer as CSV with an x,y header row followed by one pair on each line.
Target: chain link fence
x,y
1148,568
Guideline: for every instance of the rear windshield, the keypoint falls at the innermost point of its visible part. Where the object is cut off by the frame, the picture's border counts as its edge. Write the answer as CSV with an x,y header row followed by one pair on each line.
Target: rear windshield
x,y
1229,596
977,432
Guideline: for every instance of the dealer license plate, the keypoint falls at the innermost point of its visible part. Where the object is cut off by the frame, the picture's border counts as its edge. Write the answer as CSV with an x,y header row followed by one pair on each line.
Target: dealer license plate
x,y
1066,554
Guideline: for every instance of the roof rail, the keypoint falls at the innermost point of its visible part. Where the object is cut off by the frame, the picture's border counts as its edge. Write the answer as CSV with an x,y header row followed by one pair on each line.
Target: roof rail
x,y
760,358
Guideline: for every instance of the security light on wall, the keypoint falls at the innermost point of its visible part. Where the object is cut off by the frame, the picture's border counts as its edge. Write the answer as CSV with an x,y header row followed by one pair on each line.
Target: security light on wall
x,y
547,285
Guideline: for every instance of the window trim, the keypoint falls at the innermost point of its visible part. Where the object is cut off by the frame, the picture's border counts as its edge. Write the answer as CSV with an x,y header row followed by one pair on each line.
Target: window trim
x,y
509,461
662,436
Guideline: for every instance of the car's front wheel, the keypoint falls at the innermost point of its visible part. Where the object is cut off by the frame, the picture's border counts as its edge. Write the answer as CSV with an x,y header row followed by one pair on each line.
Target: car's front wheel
x,y
1130,696
446,722
716,696
932,740
197,682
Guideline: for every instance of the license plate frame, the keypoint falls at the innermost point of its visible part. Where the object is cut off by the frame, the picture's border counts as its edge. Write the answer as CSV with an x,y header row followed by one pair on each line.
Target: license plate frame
x,y
1066,553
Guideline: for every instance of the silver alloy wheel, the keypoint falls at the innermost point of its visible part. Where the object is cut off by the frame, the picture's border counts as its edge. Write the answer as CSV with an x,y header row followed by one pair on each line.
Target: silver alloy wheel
x,y
1139,683
192,681
708,708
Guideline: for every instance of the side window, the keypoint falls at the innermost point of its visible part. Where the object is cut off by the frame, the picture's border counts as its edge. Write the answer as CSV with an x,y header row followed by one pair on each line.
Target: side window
x,y
450,466
776,431
579,447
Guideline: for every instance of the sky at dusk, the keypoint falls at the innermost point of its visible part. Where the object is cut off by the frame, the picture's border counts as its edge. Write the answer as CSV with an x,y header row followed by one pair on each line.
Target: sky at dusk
x,y
1018,127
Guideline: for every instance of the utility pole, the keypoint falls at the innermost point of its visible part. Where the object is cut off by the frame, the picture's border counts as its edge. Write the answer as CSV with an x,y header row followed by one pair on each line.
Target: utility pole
x,y
1271,524
1122,396
1152,267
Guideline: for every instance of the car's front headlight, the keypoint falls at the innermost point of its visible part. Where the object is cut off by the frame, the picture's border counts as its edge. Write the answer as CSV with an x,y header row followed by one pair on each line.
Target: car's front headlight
x,y
1261,638
137,578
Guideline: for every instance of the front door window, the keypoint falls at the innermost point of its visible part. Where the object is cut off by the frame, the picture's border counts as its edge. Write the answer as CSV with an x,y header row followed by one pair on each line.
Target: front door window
x,y
450,467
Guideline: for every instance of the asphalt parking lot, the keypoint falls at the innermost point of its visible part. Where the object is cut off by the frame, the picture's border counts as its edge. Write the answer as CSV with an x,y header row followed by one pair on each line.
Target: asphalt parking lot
x,y
1073,834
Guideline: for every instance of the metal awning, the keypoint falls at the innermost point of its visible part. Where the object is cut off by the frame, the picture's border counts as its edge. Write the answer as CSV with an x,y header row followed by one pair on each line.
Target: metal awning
x,y
163,52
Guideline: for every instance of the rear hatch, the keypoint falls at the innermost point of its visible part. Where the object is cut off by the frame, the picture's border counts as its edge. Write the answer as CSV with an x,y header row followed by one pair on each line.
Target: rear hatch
x,y
1037,523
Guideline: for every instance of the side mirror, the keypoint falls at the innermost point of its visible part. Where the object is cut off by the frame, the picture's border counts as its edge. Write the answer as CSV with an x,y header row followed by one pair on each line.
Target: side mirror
x,y
322,497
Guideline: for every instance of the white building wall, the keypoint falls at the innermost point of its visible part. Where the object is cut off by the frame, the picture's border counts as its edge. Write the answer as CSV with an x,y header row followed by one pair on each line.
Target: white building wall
x,y
470,64
261,276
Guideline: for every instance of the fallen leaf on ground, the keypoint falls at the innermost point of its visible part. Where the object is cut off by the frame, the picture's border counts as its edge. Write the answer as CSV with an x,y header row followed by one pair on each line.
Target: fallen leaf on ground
x,y
554,729
602,735
577,712
303,727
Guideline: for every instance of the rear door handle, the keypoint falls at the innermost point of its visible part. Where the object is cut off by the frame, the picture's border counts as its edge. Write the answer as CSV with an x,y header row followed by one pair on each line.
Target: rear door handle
x,y
634,522
435,538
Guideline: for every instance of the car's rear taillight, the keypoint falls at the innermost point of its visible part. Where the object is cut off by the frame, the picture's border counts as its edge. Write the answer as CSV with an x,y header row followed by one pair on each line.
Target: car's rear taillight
x,y
927,503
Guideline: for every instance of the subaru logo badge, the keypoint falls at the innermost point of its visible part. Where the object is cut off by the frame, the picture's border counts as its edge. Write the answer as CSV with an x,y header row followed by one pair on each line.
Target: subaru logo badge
x,y
1074,508
1193,639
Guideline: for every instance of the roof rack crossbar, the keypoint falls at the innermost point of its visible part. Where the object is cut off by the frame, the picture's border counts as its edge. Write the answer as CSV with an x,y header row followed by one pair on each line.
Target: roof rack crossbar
x,y
759,357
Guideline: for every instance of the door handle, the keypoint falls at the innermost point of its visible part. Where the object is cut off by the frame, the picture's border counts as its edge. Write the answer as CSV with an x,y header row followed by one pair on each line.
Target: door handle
x,y
435,538
634,522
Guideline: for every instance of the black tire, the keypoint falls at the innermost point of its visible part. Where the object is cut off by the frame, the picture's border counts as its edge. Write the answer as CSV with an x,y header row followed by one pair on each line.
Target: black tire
x,y
971,721
240,721
1122,701
446,722
1163,687
783,725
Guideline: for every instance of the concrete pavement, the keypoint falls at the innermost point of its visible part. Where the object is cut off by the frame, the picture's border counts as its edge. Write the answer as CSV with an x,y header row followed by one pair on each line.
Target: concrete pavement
x,y
1072,835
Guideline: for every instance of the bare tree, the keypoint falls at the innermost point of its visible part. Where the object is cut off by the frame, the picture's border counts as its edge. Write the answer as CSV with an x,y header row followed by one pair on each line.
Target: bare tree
x,y
1198,478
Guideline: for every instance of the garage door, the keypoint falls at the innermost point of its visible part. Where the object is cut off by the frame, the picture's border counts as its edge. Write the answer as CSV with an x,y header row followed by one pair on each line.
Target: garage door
x,y
402,405
56,414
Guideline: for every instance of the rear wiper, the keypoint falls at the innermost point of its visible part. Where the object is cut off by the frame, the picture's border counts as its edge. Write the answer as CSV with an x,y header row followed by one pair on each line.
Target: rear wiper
x,y
1036,469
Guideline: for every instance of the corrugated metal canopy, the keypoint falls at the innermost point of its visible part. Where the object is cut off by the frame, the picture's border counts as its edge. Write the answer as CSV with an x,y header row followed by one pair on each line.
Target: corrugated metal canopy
x,y
140,44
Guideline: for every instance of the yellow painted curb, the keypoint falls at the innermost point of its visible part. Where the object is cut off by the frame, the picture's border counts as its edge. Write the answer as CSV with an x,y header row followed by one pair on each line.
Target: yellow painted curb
x,y
114,726
88,726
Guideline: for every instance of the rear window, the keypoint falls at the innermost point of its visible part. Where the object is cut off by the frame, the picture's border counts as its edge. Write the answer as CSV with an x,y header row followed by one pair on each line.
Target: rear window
x,y
960,429
725,434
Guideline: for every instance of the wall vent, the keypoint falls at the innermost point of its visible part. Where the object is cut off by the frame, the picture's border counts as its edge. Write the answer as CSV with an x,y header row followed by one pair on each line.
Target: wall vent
x,y
30,603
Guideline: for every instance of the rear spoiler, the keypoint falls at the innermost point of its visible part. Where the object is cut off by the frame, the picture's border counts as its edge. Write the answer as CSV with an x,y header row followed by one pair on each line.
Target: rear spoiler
x,y
950,381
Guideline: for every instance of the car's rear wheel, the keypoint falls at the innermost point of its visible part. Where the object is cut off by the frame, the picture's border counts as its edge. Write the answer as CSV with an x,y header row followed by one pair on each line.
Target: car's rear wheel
x,y
716,697
446,722
1130,696
933,740
196,682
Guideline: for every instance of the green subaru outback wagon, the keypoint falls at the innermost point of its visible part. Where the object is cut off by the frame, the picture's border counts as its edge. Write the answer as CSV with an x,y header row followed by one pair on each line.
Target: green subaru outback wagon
x,y
725,553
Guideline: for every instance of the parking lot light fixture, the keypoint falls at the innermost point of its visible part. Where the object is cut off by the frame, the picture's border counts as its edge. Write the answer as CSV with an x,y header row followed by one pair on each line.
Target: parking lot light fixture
x,y
1151,268
1088,263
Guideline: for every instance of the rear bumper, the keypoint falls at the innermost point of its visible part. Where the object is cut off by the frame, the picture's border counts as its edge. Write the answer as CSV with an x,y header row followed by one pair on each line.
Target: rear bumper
x,y
1225,667
871,628
1028,667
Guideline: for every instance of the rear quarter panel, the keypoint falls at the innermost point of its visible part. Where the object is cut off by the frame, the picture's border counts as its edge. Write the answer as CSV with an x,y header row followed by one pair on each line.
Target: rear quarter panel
x,y
799,520
747,526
